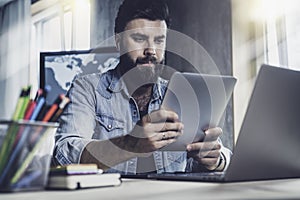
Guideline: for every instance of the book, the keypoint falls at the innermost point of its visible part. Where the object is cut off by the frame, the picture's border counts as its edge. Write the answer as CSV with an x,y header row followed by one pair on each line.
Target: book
x,y
75,169
73,182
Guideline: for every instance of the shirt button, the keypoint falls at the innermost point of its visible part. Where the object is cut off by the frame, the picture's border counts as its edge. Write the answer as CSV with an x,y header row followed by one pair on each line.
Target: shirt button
x,y
109,126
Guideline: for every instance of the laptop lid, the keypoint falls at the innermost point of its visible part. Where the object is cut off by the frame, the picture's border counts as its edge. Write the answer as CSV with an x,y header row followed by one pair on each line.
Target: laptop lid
x,y
200,98
268,145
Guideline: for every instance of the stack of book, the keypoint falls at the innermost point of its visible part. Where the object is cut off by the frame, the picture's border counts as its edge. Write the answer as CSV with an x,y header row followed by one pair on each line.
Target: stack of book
x,y
77,176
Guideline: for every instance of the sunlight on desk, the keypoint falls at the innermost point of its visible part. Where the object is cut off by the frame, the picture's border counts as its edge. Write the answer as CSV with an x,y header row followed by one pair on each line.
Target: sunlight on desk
x,y
145,189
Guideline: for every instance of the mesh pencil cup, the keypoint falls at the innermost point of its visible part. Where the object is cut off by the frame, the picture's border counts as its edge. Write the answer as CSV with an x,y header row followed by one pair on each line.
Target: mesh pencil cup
x,y
25,154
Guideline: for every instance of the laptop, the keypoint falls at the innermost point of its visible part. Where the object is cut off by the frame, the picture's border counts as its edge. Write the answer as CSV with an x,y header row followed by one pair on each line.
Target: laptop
x,y
268,145
208,96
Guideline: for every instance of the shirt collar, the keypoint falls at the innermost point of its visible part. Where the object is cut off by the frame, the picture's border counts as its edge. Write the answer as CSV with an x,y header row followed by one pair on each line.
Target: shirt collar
x,y
116,84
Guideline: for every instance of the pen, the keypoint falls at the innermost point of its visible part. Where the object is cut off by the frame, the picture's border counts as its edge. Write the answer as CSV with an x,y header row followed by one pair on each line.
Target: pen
x,y
53,108
29,110
38,94
43,112
65,101
25,103
20,102
40,102
32,105
58,105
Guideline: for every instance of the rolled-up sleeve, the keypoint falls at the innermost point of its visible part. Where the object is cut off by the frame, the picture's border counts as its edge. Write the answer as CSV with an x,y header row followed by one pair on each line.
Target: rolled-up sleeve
x,y
77,123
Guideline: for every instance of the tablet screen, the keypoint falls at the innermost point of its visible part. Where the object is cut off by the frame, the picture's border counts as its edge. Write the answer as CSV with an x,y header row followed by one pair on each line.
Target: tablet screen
x,y
200,101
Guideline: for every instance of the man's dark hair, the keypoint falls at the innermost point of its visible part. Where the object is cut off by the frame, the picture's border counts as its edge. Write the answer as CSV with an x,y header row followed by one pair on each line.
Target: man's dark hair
x,y
141,9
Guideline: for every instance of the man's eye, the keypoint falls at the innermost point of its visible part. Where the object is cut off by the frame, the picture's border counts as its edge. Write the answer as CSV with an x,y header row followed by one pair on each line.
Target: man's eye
x,y
139,39
159,41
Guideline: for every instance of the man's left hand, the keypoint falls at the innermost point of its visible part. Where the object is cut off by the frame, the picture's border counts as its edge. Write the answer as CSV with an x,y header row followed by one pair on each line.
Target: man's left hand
x,y
208,151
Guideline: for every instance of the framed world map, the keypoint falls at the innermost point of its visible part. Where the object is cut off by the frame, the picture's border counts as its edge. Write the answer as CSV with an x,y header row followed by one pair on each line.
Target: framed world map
x,y
58,69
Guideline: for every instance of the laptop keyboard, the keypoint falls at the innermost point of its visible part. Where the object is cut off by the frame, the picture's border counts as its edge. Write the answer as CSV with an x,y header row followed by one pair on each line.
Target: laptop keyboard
x,y
181,176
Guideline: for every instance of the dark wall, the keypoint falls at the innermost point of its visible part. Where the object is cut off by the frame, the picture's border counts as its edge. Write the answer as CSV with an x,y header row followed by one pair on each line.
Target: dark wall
x,y
206,22
209,23
103,13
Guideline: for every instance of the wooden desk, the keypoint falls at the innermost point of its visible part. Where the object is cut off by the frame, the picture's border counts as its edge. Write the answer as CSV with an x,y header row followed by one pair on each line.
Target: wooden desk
x,y
150,189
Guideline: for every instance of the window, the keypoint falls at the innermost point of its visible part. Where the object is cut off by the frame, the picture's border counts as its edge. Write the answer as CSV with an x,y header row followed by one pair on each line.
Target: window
x,y
293,38
58,26
281,28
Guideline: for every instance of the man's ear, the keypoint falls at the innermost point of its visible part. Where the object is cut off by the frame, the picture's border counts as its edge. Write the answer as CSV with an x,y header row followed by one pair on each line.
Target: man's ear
x,y
117,40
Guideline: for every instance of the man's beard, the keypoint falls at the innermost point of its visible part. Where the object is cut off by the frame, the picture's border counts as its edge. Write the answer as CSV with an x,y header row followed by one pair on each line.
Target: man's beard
x,y
139,73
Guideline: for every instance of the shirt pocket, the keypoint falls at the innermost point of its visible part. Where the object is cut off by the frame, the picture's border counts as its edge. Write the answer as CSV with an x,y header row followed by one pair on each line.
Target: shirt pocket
x,y
109,126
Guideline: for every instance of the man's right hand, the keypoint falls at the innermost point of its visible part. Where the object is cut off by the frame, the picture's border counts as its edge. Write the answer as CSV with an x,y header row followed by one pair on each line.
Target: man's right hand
x,y
151,133
154,131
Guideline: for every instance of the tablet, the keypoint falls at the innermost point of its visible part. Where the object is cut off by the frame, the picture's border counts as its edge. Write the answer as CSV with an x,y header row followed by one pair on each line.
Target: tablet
x,y
200,101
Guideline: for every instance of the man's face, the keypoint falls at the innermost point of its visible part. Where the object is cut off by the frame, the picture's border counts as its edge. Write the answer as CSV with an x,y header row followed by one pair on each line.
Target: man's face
x,y
142,46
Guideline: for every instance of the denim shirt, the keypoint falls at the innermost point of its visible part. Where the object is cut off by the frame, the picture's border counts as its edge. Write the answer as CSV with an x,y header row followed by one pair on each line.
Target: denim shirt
x,y
101,108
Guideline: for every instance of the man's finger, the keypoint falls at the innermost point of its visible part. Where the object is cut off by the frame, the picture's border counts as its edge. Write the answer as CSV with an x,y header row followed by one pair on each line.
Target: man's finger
x,y
164,127
168,126
203,146
213,134
168,135
208,154
208,161
161,143
162,116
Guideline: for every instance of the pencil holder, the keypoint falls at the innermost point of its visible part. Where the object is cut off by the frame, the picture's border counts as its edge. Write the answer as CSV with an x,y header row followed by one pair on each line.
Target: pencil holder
x,y
25,154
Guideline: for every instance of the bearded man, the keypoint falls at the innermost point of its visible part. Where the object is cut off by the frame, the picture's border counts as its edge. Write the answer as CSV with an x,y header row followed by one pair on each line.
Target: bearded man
x,y
115,119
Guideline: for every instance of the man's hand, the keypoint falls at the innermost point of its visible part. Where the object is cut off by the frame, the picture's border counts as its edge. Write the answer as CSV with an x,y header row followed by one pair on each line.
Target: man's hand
x,y
207,152
154,131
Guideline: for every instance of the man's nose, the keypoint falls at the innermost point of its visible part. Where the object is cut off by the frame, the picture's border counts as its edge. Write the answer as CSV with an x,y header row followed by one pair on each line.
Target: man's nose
x,y
150,50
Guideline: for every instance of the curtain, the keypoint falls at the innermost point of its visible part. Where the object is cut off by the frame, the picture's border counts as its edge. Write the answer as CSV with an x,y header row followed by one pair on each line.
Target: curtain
x,y
14,53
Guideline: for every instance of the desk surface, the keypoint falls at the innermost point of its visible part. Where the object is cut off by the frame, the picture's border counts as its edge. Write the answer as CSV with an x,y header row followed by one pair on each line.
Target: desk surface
x,y
151,189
